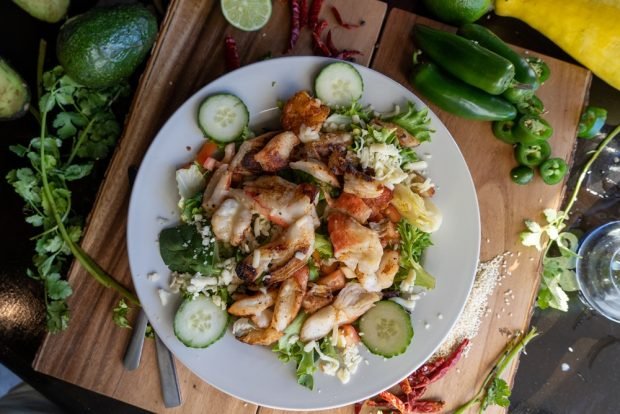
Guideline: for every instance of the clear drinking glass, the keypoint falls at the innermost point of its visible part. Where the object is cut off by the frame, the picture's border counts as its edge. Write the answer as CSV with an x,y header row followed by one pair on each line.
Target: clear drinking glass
x,y
598,270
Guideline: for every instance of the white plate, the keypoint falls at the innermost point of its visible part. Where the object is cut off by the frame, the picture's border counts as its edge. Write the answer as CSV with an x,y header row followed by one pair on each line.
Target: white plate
x,y
253,373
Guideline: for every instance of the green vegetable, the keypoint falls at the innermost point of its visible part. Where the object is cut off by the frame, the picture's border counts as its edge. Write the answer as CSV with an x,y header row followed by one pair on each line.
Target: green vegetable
x,y
531,106
413,243
494,390
532,155
105,45
338,84
465,59
524,73
386,329
14,93
323,245
290,348
592,120
182,250
313,270
223,118
531,128
199,323
458,98
553,170
84,130
50,11
502,130
119,314
522,174
191,207
540,67
417,123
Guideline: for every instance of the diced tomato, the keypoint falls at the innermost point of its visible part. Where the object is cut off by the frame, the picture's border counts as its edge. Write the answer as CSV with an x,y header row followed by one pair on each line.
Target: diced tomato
x,y
350,334
207,150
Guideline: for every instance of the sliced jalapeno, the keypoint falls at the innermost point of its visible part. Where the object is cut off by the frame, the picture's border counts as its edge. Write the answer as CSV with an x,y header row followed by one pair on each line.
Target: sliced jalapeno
x,y
532,155
540,67
522,174
531,106
553,170
531,128
592,120
503,131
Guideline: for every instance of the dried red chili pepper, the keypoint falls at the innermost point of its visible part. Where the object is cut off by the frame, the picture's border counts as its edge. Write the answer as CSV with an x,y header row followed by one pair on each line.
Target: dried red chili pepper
x,y
303,13
320,48
315,10
442,369
319,27
405,386
231,54
333,50
393,400
426,406
347,54
341,22
295,28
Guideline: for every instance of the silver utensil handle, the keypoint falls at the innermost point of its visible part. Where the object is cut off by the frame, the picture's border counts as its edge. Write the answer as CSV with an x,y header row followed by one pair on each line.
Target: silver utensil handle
x,y
134,349
167,375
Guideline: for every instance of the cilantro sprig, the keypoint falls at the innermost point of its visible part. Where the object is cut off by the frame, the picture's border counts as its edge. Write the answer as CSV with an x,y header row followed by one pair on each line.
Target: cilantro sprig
x,y
560,247
494,389
83,130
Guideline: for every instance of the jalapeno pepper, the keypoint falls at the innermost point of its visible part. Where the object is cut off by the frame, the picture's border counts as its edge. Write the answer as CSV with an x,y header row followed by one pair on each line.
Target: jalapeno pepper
x,y
531,128
458,98
522,174
540,67
524,73
503,131
592,120
534,154
553,170
465,59
531,106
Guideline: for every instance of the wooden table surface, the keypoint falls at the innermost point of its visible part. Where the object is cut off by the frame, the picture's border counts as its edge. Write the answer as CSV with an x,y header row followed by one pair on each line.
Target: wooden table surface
x,y
187,55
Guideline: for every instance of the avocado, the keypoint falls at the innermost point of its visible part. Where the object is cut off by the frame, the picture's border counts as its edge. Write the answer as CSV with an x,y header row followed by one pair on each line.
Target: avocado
x,y
50,11
14,93
105,45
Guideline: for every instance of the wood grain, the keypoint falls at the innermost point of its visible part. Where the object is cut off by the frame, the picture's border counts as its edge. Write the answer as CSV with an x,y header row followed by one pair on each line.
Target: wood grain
x,y
503,205
187,55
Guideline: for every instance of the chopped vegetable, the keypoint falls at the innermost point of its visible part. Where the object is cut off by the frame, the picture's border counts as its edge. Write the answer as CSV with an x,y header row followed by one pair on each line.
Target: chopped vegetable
x,y
339,84
417,210
208,149
540,67
231,53
386,329
247,15
531,128
223,118
592,120
415,122
532,155
553,170
199,323
502,130
522,174
189,181
531,106
323,245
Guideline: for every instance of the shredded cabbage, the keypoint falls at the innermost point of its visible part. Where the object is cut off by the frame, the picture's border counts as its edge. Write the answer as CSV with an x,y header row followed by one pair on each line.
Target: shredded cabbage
x,y
417,210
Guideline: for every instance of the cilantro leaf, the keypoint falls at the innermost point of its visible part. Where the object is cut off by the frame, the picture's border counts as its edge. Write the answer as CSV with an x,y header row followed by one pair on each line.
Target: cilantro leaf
x,y
56,288
57,316
67,123
119,314
76,171
497,394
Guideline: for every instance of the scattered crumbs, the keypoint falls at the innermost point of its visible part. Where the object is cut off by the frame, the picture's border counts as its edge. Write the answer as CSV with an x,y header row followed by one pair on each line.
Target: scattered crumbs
x,y
440,316
503,310
531,259
427,325
518,254
540,200
319,391
153,277
507,332
245,404
188,148
488,240
458,370
366,362
488,275
264,34
510,314
565,367
570,349
164,296
498,316
162,220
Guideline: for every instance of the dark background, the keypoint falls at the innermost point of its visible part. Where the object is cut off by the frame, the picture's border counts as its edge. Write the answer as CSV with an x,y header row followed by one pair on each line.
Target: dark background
x,y
589,386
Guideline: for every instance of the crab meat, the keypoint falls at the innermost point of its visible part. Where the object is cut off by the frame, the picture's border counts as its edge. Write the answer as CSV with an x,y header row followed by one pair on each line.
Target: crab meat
x,y
351,303
262,336
353,206
304,115
243,162
317,297
289,251
262,319
361,184
275,155
253,305
289,299
217,189
355,245
384,277
231,222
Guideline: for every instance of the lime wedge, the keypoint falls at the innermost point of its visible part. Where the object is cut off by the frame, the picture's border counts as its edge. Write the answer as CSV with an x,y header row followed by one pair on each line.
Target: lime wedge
x,y
247,15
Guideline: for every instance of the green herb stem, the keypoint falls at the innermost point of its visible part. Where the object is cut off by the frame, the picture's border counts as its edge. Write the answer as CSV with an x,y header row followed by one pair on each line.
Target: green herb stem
x,y
40,64
86,261
512,349
80,141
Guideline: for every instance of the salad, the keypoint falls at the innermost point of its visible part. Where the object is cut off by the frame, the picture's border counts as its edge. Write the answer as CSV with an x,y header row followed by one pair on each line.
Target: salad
x,y
308,239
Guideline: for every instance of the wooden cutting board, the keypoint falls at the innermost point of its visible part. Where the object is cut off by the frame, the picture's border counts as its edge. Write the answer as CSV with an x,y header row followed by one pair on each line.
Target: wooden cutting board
x,y
188,54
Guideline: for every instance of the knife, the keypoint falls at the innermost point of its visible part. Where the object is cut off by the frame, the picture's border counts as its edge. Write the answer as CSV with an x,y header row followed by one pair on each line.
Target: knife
x,y
167,375
134,349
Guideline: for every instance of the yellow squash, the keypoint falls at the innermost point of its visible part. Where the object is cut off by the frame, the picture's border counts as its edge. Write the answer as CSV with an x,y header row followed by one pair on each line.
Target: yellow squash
x,y
588,30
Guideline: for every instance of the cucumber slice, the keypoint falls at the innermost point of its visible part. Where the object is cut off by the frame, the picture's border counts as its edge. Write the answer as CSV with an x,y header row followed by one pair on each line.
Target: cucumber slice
x,y
338,84
223,117
386,329
199,322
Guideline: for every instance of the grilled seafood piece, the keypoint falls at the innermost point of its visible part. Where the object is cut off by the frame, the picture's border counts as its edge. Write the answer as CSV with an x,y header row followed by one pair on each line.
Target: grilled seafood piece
x,y
231,222
326,145
262,319
316,169
383,279
405,139
217,189
243,162
355,245
353,206
262,336
295,245
387,231
253,305
351,303
289,299
380,203
317,297
334,281
304,115
279,200
276,153
361,184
